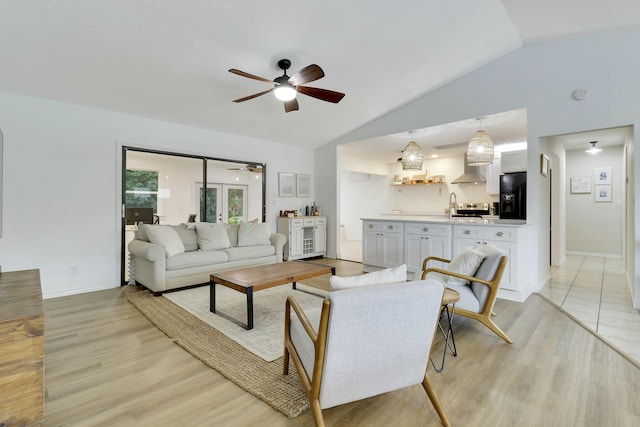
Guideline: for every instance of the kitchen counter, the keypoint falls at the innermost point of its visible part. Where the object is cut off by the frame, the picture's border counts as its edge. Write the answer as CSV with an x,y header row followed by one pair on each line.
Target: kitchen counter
x,y
404,217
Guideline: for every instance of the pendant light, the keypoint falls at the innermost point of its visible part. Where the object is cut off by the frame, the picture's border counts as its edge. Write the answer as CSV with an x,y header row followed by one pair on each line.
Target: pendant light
x,y
412,156
480,149
593,149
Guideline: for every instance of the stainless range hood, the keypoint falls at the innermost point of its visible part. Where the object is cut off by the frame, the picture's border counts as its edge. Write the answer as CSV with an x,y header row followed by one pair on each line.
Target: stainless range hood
x,y
471,174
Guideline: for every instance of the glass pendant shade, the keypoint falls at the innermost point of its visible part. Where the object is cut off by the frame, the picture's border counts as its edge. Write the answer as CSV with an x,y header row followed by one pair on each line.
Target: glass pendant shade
x,y
412,157
480,149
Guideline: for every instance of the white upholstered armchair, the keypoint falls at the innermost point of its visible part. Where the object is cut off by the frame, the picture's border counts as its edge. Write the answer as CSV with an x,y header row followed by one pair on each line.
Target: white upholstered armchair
x,y
364,342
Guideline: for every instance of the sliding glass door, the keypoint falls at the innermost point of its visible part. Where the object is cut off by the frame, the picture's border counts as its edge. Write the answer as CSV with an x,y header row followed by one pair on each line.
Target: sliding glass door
x,y
169,188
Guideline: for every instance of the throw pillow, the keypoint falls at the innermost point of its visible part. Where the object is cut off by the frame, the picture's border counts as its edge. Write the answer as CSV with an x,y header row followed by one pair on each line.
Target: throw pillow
x,y
165,236
466,263
212,237
254,233
382,277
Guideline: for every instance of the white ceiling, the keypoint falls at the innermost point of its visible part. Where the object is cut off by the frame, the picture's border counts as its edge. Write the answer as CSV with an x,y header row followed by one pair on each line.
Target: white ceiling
x,y
169,60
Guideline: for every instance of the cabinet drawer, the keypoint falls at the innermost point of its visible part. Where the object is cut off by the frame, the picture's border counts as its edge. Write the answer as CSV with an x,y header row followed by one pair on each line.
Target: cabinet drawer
x,y
500,233
296,222
428,228
321,221
309,222
467,231
389,227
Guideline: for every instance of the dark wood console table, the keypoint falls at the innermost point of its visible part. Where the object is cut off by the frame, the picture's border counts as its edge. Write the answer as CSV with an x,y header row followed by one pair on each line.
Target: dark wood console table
x,y
21,348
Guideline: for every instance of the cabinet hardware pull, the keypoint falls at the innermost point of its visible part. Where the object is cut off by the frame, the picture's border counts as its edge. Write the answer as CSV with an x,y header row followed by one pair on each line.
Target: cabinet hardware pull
x,y
467,231
499,233
425,228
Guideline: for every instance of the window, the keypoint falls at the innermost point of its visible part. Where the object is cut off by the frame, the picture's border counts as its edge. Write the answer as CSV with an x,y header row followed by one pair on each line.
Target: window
x,y
141,189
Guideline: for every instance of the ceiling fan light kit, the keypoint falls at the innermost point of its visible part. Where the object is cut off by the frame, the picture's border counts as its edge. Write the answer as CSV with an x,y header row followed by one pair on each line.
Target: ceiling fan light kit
x,y
286,88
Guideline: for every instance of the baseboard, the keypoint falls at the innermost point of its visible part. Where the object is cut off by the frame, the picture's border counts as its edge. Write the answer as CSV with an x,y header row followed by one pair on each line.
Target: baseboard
x,y
67,293
592,254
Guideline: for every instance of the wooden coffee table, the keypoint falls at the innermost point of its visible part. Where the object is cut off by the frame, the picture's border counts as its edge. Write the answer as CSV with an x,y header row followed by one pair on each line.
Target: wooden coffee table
x,y
253,279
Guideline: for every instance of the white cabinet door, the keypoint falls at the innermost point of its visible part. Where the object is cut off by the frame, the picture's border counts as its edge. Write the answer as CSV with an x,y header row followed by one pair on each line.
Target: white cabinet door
x,y
390,249
493,177
439,246
370,248
414,249
509,280
296,235
514,161
320,238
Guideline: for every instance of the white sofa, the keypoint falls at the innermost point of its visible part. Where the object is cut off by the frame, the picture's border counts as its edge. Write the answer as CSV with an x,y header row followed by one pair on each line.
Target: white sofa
x,y
167,257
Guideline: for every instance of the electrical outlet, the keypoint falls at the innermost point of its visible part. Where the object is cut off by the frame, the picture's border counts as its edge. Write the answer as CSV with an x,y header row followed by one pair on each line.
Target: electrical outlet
x,y
74,271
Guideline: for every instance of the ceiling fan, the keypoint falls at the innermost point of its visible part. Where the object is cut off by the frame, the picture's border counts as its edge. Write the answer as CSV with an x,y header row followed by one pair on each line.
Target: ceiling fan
x,y
285,88
248,168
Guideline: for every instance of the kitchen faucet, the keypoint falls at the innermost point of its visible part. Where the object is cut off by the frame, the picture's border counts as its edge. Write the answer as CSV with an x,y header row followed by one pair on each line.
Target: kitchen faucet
x,y
451,205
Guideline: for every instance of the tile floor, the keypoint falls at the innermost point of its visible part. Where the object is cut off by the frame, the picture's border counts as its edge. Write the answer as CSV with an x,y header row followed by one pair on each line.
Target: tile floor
x,y
594,291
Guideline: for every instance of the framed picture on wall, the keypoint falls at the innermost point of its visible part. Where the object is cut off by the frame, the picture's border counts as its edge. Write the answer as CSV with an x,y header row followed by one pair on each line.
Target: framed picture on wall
x,y
286,184
581,185
544,164
603,175
602,193
303,185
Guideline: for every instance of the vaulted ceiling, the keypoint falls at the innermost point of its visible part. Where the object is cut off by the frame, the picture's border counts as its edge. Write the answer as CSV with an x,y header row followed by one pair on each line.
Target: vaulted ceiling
x,y
169,60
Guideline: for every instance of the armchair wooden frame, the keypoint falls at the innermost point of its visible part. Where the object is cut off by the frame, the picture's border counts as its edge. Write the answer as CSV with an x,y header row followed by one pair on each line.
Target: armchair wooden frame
x,y
484,316
312,385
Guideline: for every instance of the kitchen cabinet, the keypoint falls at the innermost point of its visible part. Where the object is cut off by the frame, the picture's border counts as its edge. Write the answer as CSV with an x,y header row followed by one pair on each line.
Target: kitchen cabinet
x,y
507,239
425,239
306,236
493,177
381,244
513,161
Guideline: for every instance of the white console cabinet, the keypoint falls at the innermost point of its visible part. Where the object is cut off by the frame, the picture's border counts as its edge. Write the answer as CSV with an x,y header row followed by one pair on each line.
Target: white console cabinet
x,y
381,245
422,240
306,236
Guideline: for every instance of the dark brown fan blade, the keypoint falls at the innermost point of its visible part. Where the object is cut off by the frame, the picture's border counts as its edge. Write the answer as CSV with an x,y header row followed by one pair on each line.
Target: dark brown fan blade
x,y
251,76
290,105
307,74
255,95
323,94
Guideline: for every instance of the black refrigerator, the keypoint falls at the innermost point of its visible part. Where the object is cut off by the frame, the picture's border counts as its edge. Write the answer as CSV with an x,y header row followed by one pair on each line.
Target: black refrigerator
x,y
513,195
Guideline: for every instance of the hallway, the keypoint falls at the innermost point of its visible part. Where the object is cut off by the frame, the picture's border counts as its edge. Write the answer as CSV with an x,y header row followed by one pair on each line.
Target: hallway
x,y
594,291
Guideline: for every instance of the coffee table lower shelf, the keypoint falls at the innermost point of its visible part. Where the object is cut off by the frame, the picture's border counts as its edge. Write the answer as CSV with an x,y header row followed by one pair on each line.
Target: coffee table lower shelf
x,y
253,279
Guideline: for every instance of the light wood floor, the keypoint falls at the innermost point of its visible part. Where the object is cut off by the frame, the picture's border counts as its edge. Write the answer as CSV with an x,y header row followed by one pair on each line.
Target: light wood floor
x,y
106,364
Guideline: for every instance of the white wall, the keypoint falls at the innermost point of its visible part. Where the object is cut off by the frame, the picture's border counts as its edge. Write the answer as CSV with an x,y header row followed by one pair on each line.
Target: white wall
x,y
541,78
595,228
62,184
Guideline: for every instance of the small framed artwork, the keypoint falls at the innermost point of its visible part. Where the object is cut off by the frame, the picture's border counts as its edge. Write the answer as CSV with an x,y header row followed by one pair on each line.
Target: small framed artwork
x,y
303,185
544,164
286,184
602,193
602,175
581,185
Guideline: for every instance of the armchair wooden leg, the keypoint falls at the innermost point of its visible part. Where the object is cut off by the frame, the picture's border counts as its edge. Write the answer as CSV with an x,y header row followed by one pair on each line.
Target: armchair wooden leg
x,y
433,397
489,324
317,412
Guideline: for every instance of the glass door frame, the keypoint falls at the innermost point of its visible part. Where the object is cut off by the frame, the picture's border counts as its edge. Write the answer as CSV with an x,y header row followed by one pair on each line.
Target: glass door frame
x,y
204,159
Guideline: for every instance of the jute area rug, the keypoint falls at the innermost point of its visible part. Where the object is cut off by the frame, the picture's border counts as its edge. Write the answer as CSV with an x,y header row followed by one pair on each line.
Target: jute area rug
x,y
250,372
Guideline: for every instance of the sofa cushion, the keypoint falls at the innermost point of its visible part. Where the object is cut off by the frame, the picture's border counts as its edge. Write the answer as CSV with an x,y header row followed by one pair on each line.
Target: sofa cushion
x,y
382,277
212,237
487,270
251,234
188,237
141,233
241,253
165,236
232,232
196,259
